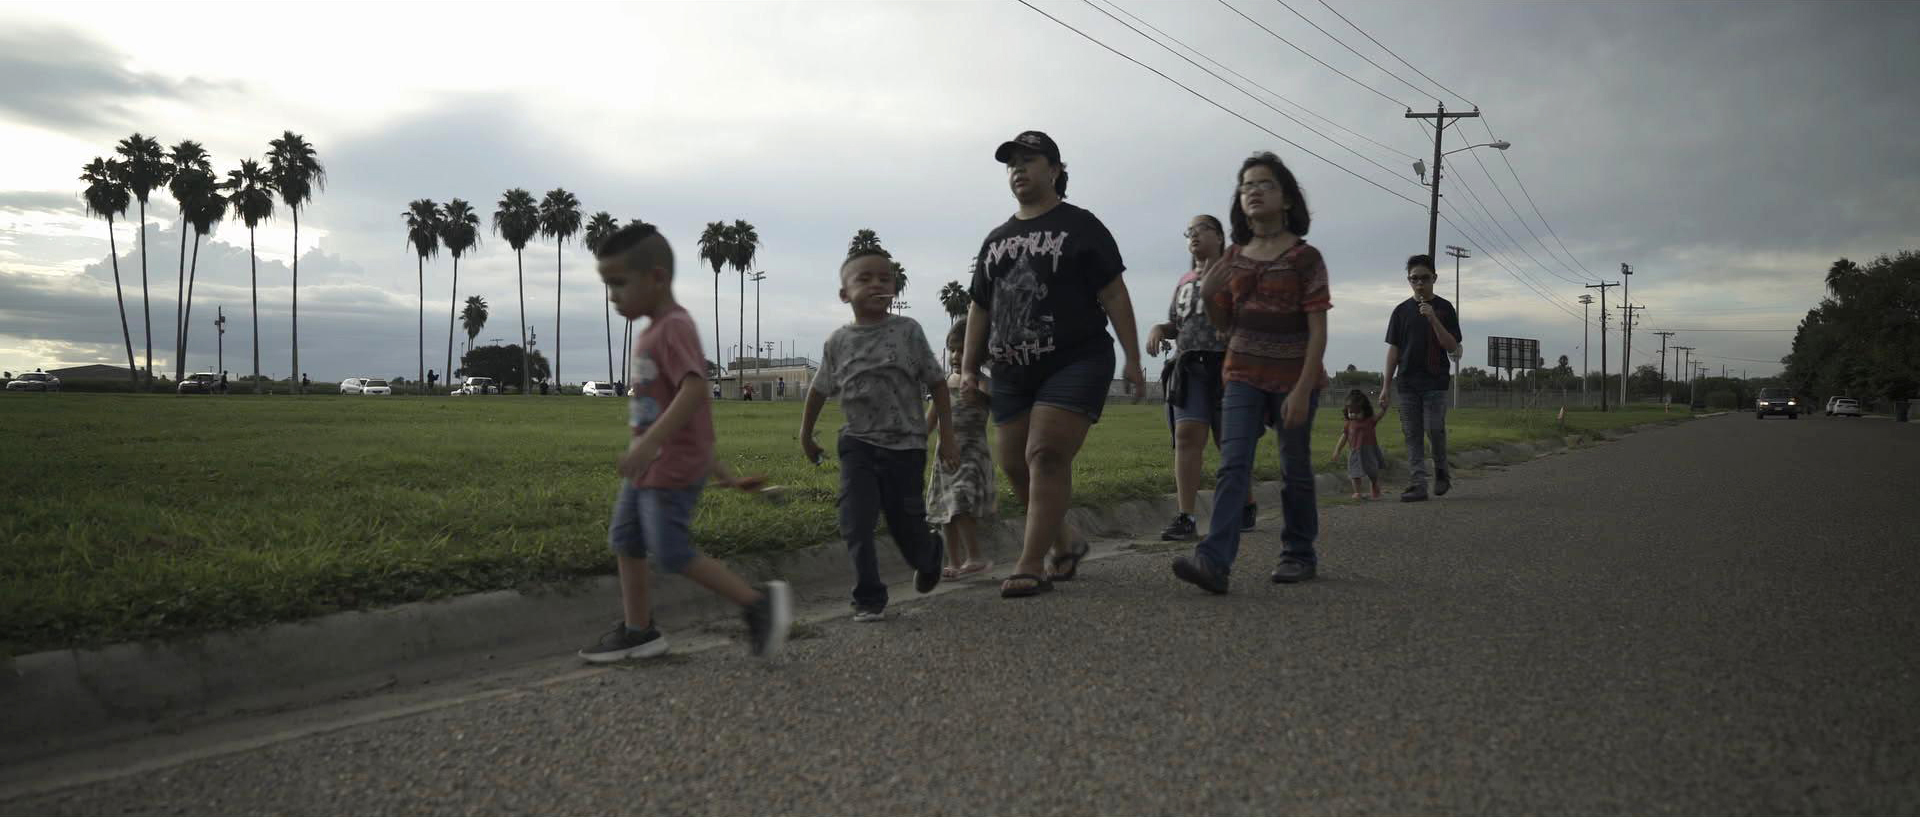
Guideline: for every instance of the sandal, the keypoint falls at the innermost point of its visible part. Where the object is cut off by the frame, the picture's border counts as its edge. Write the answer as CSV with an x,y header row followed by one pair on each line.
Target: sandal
x,y
949,572
972,567
1039,585
1072,560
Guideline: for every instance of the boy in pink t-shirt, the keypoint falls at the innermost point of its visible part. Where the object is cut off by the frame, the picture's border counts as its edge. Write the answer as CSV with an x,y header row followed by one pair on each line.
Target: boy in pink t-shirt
x,y
668,459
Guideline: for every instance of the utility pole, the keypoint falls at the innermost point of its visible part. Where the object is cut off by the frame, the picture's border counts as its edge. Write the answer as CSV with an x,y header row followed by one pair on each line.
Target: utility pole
x,y
1457,253
1677,350
1626,361
220,341
1586,305
1663,364
1603,340
1439,117
1626,329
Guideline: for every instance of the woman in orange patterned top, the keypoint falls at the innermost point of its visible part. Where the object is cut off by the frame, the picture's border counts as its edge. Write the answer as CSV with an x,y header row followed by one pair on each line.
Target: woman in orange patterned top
x,y
1268,294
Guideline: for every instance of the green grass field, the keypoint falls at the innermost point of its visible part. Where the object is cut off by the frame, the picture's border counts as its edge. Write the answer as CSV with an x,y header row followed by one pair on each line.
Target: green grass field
x,y
125,517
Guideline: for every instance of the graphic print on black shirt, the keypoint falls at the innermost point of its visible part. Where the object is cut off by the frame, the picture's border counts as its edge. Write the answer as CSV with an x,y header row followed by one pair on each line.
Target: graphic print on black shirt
x,y
1041,278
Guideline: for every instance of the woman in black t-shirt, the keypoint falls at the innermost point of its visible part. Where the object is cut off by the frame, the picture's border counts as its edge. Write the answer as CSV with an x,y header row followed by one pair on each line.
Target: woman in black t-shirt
x,y
1044,286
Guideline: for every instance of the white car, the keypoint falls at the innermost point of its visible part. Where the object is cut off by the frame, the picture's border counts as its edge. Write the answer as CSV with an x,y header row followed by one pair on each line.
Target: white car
x,y
478,385
373,386
351,385
597,388
34,381
1845,407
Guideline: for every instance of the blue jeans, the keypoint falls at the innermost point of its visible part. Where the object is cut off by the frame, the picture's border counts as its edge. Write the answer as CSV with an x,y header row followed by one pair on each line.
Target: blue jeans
x,y
1247,412
877,481
1423,415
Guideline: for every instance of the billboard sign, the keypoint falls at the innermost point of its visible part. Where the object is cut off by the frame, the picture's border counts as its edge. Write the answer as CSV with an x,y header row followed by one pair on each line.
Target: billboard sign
x,y
1513,353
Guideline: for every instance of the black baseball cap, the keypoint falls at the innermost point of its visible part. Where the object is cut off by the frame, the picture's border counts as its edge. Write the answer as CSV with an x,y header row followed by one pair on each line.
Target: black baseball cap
x,y
1030,140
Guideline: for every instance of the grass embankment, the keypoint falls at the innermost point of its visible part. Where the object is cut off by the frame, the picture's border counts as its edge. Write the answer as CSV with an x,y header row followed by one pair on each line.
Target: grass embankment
x,y
125,517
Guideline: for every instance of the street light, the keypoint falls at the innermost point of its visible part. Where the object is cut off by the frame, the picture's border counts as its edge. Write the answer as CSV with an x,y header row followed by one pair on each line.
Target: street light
x,y
1498,144
1440,119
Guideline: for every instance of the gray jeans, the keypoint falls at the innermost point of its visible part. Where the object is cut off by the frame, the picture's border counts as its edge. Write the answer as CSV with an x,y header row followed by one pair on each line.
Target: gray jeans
x,y
1423,415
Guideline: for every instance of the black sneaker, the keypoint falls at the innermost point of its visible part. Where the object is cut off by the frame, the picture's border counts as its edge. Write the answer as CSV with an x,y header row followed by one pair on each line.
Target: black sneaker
x,y
1181,529
1250,516
1441,483
1190,570
1417,493
926,581
1293,570
620,644
769,620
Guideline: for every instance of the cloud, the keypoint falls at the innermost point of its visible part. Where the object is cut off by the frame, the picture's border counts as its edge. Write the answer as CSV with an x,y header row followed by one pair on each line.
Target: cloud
x,y
62,80
46,201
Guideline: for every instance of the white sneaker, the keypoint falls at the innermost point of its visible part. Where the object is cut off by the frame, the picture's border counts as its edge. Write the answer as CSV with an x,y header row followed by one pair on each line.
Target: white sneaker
x,y
864,615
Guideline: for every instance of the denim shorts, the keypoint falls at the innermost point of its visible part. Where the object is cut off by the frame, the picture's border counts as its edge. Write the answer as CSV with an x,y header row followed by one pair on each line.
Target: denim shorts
x,y
657,522
1201,387
1079,385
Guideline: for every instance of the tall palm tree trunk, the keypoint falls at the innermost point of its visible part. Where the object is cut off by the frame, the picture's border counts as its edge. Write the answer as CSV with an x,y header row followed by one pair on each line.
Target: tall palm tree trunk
x,y
420,384
253,280
742,328
186,320
557,290
293,377
716,327
606,309
179,307
756,321
446,375
526,359
126,334
146,302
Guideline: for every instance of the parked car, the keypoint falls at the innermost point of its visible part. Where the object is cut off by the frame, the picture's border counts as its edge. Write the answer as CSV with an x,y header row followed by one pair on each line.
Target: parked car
x,y
34,381
1776,401
199,383
1845,407
478,385
374,386
351,385
597,388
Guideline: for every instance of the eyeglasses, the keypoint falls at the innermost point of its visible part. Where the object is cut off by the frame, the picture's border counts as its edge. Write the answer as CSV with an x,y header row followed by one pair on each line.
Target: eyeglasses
x,y
1195,231
1421,279
1258,185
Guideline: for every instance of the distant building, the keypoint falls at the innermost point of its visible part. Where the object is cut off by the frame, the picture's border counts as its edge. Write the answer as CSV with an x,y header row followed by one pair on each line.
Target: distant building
x,y
96,371
765,374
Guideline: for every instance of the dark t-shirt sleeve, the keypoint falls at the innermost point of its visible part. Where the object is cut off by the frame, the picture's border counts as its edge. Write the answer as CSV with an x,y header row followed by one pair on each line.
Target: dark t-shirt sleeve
x,y
1452,322
981,289
1101,254
1396,327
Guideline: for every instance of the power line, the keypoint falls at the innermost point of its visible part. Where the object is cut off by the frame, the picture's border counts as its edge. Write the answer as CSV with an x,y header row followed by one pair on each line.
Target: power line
x,y
1530,203
1249,95
1316,27
1303,51
1503,230
1523,221
1530,285
1210,101
1736,330
1383,47
1270,91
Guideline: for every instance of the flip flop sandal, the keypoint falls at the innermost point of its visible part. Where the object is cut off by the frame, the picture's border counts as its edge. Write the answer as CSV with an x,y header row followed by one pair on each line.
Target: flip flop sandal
x,y
1039,585
1072,560
971,568
949,572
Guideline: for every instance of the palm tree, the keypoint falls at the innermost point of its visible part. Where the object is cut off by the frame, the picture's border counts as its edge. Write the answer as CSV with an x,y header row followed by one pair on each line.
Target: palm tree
x,y
863,240
744,246
598,228
107,196
954,297
296,172
143,168
250,191
424,224
192,174
1841,276
715,250
473,317
516,219
899,286
204,207
460,231
559,220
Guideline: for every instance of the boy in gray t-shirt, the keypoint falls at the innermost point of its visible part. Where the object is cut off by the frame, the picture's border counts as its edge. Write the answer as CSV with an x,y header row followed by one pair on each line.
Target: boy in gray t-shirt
x,y
879,366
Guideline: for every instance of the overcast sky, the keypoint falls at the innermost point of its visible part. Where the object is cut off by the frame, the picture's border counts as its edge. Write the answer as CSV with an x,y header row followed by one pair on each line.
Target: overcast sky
x,y
1729,152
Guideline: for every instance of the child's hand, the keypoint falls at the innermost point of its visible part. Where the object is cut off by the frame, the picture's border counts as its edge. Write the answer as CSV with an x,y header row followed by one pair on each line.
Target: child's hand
x,y
949,451
812,450
638,457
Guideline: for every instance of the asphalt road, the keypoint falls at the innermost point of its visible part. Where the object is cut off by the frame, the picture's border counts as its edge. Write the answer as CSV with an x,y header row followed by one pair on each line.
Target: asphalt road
x,y
1716,617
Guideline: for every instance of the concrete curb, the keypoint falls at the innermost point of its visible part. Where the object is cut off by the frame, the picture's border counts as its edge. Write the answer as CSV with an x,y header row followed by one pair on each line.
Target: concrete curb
x,y
61,698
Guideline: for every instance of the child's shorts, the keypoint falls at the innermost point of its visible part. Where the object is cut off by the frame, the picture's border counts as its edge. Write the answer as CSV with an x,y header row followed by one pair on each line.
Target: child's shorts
x,y
656,522
1365,462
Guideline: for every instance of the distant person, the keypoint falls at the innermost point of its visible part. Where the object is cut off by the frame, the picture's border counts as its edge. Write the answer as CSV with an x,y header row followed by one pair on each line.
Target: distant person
x,y
223,382
1192,379
543,387
1045,284
780,389
1365,459
1269,294
959,497
432,378
716,391
304,382
749,394
1421,332
668,460
877,366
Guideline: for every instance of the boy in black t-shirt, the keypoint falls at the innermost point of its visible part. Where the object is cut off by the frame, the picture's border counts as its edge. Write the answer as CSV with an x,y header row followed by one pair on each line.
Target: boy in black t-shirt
x,y
1421,333
1045,284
